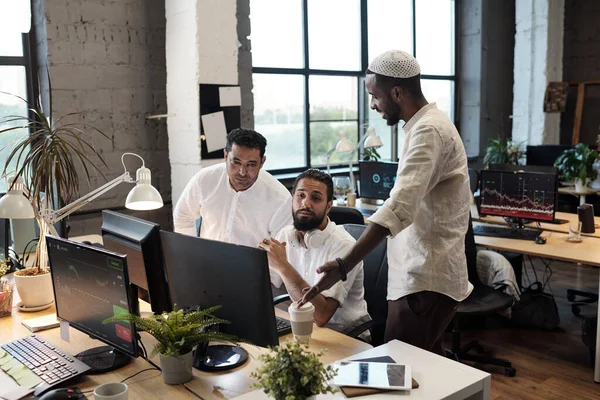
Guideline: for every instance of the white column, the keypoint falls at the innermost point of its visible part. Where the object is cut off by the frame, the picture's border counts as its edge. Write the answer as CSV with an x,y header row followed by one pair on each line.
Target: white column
x,y
538,60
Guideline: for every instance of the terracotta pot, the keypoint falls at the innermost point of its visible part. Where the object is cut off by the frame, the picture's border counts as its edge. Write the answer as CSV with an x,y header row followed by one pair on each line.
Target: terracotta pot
x,y
34,290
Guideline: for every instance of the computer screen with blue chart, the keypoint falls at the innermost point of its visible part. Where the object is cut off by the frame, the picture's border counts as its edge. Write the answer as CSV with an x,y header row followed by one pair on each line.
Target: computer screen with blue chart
x,y
377,179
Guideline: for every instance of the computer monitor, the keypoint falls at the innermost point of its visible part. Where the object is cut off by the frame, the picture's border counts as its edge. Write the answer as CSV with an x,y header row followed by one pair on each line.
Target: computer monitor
x,y
91,285
545,154
140,241
521,192
377,179
208,273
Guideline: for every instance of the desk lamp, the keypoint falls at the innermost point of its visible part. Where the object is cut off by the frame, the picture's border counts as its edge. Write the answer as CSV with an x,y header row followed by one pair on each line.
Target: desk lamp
x,y
344,145
371,141
15,204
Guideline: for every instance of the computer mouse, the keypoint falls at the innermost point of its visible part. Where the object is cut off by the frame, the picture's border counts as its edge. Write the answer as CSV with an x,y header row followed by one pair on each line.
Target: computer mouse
x,y
540,240
63,394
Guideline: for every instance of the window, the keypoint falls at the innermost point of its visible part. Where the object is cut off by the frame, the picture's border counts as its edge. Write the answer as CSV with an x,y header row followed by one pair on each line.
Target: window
x,y
14,72
309,60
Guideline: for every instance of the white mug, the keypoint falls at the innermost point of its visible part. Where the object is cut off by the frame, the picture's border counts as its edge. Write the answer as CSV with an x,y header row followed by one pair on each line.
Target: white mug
x,y
111,391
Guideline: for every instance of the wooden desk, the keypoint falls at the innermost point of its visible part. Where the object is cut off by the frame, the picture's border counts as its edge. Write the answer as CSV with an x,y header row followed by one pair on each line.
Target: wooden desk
x,y
438,377
556,248
149,385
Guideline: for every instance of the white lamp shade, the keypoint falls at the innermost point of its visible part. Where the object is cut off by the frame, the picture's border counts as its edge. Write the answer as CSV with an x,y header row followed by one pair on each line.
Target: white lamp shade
x,y
14,204
372,139
344,145
143,196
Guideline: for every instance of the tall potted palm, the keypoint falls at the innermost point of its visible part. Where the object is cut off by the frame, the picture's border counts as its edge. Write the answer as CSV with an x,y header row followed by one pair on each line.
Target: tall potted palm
x,y
49,162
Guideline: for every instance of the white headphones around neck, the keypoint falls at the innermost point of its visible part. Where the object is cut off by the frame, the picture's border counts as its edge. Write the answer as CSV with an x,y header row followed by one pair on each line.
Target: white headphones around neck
x,y
315,238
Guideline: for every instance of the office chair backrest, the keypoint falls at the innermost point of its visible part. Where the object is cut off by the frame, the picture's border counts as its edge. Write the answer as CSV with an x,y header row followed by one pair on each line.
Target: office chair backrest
x,y
346,215
471,253
545,154
473,179
375,266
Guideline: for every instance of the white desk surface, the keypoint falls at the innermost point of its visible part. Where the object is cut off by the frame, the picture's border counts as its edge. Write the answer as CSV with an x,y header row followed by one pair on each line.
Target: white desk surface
x,y
438,377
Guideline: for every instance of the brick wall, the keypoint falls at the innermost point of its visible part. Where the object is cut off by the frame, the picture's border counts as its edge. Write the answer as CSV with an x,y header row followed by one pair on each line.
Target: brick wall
x,y
581,61
107,58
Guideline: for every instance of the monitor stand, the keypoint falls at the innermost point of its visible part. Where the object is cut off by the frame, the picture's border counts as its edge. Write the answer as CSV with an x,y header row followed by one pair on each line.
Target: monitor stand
x,y
103,359
220,357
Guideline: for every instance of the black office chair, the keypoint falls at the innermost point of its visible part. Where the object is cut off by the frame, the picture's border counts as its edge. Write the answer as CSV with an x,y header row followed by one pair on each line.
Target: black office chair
x,y
484,300
473,179
375,267
346,215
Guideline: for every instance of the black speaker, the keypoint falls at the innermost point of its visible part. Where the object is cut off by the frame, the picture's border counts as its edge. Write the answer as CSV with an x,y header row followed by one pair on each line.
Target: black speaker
x,y
586,217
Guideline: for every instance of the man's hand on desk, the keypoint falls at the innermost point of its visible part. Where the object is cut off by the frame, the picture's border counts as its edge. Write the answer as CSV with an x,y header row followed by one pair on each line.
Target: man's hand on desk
x,y
275,252
331,275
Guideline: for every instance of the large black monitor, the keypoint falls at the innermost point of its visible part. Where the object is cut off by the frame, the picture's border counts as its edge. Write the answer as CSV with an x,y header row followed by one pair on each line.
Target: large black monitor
x,y
91,285
519,192
377,179
140,241
544,154
208,273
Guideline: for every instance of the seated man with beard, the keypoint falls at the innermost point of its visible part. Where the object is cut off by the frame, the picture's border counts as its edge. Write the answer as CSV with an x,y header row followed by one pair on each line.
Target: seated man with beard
x,y
313,239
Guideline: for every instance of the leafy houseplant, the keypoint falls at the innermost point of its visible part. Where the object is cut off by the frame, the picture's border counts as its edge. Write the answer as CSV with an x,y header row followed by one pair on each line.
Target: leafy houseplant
x,y
503,151
292,373
50,161
6,289
177,333
371,154
577,164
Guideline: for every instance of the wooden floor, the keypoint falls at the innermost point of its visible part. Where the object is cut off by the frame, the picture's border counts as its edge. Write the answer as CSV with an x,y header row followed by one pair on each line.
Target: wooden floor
x,y
550,365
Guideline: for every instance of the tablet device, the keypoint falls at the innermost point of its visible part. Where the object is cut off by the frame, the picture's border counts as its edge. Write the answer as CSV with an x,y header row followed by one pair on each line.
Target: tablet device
x,y
374,375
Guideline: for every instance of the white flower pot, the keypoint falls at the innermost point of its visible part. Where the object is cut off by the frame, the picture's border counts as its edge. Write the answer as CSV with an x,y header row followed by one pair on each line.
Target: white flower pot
x,y
580,185
35,290
176,370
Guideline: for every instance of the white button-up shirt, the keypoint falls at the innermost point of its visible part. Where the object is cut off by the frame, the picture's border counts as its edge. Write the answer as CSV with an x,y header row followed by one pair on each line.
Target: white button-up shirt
x,y
427,212
244,217
350,294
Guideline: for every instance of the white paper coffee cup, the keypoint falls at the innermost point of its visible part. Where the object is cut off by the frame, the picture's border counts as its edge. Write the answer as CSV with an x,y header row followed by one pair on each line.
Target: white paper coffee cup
x,y
302,321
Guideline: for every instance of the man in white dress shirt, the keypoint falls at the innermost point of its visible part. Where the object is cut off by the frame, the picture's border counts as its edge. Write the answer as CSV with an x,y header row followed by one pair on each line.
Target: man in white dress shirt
x,y
313,239
426,216
238,201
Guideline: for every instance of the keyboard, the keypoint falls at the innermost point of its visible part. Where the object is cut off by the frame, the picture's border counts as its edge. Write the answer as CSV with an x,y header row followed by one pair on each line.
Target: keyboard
x,y
283,326
52,365
507,233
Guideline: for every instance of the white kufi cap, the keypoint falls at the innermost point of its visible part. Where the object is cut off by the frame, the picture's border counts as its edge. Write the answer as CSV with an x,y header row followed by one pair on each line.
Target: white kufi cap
x,y
395,64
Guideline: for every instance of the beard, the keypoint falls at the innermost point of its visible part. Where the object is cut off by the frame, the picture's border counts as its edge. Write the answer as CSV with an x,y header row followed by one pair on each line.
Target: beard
x,y
305,224
393,116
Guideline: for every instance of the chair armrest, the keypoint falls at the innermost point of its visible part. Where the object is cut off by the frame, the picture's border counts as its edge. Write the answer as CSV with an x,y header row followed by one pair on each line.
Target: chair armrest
x,y
281,298
364,326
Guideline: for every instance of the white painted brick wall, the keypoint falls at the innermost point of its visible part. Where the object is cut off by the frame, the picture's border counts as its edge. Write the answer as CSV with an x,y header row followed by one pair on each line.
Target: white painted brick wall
x,y
201,47
538,60
107,58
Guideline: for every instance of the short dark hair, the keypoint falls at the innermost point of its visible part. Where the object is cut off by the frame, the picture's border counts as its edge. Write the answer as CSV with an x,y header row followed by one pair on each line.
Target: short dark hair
x,y
411,85
319,176
246,138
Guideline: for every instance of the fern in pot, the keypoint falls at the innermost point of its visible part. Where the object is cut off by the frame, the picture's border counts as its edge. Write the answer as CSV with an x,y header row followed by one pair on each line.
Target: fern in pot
x,y
48,166
177,333
577,165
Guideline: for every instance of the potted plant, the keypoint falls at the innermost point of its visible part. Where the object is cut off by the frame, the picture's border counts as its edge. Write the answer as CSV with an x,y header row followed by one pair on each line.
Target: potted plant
x,y
371,154
6,289
577,165
503,151
291,372
177,333
48,162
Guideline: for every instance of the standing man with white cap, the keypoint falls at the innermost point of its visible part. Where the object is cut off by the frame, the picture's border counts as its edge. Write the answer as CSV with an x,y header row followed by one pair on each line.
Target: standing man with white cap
x,y
426,216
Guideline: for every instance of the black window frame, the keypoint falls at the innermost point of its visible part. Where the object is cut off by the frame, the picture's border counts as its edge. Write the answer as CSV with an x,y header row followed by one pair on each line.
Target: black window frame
x,y
362,96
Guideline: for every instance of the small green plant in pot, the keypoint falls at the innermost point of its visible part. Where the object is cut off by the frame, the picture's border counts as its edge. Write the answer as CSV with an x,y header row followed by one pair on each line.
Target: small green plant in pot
x,y
291,372
577,165
177,333
503,151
